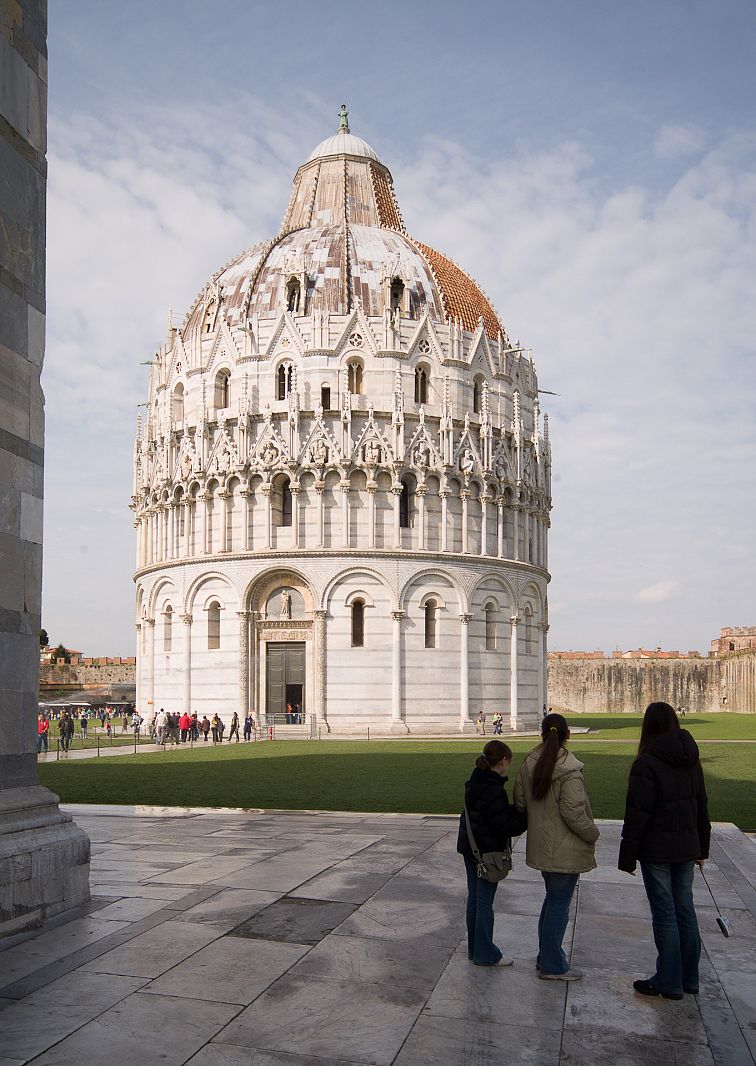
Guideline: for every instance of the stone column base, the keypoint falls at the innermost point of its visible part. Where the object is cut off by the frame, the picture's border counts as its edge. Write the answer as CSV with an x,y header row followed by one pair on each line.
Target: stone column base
x,y
398,727
44,859
467,726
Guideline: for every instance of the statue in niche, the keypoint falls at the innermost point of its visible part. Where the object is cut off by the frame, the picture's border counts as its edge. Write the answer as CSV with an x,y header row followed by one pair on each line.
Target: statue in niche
x,y
372,452
269,454
285,605
223,458
319,452
421,456
186,465
467,461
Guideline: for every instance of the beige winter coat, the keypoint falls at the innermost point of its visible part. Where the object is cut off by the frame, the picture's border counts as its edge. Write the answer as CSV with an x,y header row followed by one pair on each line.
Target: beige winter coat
x,y
561,829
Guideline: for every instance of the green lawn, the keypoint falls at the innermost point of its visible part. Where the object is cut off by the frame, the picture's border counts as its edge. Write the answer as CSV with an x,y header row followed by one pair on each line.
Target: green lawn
x,y
407,776
704,727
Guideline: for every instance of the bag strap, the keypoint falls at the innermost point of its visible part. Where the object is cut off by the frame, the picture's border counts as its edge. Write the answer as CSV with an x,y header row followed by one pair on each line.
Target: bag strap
x,y
471,838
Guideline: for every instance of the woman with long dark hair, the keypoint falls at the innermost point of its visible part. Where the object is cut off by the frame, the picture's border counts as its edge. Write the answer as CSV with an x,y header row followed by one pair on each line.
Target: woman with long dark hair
x,y
667,830
561,837
493,822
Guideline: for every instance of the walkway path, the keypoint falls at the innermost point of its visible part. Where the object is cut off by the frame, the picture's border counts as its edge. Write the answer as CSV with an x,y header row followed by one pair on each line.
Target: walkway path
x,y
287,939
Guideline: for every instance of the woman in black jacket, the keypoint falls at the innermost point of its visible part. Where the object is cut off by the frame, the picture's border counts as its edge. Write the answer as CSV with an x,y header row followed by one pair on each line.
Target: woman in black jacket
x,y
493,821
667,830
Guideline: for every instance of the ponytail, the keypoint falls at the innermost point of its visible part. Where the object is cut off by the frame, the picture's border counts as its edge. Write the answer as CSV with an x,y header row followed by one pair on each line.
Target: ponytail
x,y
493,753
554,731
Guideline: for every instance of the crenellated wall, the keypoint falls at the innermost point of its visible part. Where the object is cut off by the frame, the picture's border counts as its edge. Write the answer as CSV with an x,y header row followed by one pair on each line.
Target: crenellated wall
x,y
592,685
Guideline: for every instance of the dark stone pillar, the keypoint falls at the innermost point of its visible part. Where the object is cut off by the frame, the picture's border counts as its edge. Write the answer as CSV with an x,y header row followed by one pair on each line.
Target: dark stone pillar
x,y
44,857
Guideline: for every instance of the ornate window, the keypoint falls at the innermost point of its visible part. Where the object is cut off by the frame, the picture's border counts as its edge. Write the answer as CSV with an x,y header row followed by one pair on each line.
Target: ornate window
x,y
222,390
354,376
356,340
168,628
422,376
424,346
284,378
431,623
490,627
293,295
178,403
358,623
478,394
397,294
213,626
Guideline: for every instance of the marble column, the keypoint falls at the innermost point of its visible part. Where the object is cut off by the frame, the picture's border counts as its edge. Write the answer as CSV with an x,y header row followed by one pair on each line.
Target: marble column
x,y
398,725
344,514
465,722
420,497
319,489
138,672
266,491
500,527
465,522
319,659
444,521
187,688
200,525
542,666
371,515
44,856
513,672
186,549
222,498
295,516
397,517
245,540
484,524
516,533
150,694
243,663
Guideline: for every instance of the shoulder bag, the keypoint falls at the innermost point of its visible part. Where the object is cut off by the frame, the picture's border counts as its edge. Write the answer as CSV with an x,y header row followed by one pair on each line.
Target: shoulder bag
x,y
492,865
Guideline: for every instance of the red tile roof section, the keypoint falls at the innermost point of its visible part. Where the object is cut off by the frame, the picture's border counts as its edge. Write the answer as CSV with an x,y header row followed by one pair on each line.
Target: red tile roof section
x,y
462,297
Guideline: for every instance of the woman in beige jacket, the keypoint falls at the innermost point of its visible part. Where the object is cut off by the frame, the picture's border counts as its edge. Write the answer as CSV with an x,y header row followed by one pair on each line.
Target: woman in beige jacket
x,y
561,837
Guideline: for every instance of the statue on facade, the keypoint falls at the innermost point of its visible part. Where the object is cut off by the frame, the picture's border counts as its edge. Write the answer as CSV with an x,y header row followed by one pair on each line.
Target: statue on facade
x,y
285,605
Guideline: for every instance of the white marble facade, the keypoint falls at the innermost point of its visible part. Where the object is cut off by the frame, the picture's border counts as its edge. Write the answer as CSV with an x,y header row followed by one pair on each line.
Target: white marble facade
x,y
342,484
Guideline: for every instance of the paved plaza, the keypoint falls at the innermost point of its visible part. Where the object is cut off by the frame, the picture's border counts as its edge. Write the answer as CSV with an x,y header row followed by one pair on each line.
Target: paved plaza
x,y
296,939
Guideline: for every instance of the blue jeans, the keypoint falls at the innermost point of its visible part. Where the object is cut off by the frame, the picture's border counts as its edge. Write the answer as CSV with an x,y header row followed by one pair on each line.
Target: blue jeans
x,y
480,917
552,922
41,742
669,887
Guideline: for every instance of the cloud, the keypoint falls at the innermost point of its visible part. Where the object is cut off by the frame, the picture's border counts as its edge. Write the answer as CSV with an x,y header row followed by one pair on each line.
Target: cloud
x,y
636,300
658,593
674,142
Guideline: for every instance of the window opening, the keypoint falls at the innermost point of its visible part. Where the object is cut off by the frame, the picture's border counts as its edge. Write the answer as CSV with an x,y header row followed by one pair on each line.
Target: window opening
x,y
325,398
397,294
167,628
354,377
477,395
404,506
178,403
284,377
286,507
293,295
213,627
490,627
421,385
358,624
430,624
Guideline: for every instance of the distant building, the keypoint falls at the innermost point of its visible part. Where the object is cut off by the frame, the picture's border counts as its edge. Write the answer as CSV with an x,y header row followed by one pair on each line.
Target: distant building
x,y
734,638
342,484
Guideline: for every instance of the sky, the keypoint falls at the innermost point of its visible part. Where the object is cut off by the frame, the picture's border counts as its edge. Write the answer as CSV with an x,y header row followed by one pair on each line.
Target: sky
x,y
591,164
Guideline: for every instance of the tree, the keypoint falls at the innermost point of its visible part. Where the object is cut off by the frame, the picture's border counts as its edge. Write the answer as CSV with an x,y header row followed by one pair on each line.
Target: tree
x,y
44,640
61,654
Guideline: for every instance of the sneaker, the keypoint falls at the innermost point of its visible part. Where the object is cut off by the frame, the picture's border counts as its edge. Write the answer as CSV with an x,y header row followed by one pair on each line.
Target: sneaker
x,y
647,988
568,975
502,962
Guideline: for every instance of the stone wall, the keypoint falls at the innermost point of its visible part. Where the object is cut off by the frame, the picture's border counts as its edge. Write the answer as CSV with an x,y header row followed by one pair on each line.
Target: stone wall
x,y
592,685
84,676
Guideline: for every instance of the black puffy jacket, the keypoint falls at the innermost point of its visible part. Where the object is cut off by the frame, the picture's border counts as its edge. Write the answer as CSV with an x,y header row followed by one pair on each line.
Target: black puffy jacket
x,y
493,818
666,811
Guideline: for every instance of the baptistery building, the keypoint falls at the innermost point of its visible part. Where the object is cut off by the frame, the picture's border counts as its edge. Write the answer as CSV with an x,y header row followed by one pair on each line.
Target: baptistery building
x,y
342,481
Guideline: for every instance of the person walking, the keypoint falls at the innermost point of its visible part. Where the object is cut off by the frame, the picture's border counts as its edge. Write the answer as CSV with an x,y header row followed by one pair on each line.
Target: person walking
x,y
83,723
194,730
561,837
667,830
247,733
205,727
493,822
185,725
43,730
234,727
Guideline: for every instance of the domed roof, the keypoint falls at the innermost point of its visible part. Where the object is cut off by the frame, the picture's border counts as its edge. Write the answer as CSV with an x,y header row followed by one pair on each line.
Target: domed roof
x,y
344,235
342,143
